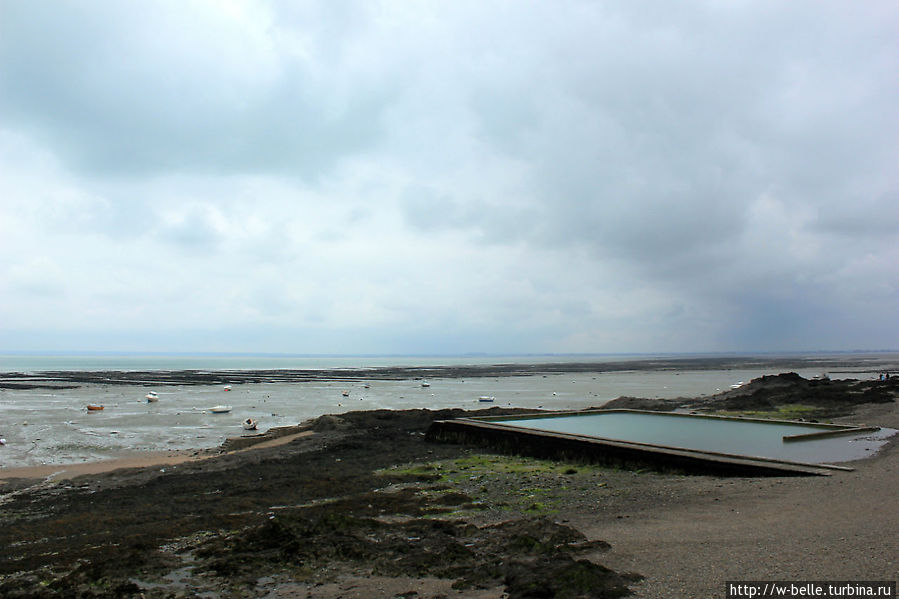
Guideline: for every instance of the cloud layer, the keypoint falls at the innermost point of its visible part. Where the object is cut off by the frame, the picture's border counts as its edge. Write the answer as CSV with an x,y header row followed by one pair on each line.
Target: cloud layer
x,y
438,178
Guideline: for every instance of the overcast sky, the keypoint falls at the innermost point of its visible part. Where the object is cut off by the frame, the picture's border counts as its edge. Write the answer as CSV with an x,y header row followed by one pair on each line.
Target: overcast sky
x,y
445,177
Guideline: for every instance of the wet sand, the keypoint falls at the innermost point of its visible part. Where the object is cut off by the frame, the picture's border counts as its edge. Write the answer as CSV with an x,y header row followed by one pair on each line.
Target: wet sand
x,y
60,431
142,460
842,363
68,471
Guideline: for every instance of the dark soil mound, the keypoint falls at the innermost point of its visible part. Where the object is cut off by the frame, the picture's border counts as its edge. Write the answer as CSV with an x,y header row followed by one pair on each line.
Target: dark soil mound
x,y
532,557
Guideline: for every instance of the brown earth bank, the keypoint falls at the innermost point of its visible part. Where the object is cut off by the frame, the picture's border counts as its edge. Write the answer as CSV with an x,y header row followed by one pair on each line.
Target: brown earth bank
x,y
361,505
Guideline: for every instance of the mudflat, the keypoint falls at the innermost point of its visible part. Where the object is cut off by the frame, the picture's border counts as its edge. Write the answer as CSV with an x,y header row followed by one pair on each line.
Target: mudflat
x,y
70,378
361,505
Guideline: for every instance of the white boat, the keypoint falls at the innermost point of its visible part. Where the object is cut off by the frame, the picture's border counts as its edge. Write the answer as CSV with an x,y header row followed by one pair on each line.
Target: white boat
x,y
249,424
227,387
220,409
346,393
425,384
486,398
152,396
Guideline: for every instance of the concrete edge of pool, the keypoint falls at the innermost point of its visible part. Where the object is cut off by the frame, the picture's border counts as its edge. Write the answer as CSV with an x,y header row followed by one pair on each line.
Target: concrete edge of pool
x,y
487,431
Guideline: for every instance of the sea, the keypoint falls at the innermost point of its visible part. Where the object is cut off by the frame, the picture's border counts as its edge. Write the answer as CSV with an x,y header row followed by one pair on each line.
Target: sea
x,y
52,426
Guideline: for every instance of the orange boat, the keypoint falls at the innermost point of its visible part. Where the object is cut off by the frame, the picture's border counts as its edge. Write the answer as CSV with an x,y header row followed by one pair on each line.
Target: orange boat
x,y
93,408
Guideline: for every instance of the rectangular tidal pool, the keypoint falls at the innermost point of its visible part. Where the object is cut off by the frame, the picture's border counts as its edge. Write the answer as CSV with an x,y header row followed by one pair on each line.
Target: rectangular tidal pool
x,y
805,443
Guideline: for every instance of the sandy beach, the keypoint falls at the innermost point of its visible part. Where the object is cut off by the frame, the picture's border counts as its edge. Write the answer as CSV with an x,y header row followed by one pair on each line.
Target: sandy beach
x,y
140,460
360,505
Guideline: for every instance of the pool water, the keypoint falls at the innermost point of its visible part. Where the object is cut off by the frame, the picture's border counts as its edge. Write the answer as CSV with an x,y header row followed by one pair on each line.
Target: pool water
x,y
742,437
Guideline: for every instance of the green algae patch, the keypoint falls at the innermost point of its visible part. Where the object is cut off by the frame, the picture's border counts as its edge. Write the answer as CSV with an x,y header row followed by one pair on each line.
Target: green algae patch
x,y
781,412
475,465
498,483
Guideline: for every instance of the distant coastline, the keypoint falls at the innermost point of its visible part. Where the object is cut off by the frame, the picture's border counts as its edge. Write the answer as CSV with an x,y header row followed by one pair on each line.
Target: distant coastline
x,y
193,369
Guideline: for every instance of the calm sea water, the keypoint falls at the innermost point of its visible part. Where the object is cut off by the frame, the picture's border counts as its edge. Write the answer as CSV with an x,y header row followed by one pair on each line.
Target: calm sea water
x,y
52,426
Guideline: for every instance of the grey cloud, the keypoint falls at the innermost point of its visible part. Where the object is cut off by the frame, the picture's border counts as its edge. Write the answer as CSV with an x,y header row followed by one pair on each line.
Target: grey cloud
x,y
195,228
720,175
428,210
869,217
673,125
87,79
484,221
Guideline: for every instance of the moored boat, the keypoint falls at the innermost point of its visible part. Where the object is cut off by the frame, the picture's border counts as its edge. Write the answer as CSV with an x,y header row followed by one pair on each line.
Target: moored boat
x,y
94,407
486,398
250,424
220,409
152,396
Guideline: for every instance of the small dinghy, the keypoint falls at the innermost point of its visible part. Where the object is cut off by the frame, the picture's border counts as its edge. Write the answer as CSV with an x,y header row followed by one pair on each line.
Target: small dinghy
x,y
93,407
227,387
220,409
152,396
250,424
486,399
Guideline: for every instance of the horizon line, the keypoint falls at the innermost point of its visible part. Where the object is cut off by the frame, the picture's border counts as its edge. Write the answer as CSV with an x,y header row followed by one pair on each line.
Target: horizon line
x,y
431,354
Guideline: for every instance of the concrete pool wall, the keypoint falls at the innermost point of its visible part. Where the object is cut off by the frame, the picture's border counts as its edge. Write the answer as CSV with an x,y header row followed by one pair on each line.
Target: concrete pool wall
x,y
525,434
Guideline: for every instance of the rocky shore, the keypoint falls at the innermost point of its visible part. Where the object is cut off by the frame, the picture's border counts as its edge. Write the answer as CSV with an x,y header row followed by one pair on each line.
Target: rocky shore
x,y
361,505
